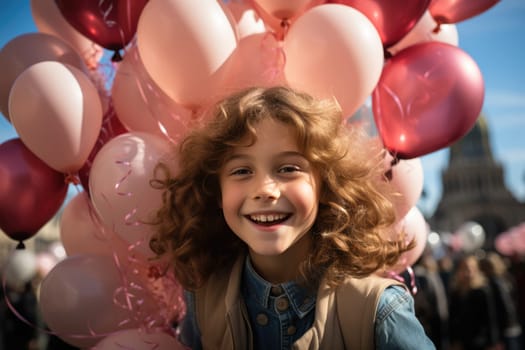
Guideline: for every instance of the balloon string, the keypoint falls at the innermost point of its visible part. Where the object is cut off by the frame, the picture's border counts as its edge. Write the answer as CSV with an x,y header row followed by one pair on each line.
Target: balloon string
x,y
275,59
135,57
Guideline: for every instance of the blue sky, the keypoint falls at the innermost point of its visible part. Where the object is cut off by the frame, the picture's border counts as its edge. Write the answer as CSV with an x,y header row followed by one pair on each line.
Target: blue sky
x,y
495,40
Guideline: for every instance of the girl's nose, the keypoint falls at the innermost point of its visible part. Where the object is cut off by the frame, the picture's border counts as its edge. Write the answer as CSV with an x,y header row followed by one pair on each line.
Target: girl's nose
x,y
266,189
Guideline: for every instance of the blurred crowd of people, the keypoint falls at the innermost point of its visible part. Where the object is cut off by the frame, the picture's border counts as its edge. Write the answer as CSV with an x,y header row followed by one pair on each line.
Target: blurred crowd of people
x,y
471,301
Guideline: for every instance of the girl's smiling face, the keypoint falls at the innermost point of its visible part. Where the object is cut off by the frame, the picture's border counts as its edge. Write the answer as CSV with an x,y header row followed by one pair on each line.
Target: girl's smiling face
x,y
270,192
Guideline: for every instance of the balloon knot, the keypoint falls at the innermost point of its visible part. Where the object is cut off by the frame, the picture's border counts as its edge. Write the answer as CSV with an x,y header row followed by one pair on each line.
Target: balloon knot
x,y
285,25
72,179
437,29
20,246
117,57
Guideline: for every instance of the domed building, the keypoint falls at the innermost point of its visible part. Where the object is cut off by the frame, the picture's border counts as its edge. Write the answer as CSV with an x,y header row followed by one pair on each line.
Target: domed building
x,y
474,189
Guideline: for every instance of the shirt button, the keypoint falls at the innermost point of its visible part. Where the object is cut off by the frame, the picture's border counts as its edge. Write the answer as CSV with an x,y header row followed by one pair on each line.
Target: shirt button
x,y
291,330
262,319
276,290
282,304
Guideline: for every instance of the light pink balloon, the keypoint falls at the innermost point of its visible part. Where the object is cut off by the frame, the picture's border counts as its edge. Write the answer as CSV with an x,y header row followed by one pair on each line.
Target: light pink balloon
x,y
77,299
142,106
48,19
56,110
258,60
185,46
27,49
333,50
278,15
120,188
246,19
137,339
427,29
415,227
81,232
406,179
284,9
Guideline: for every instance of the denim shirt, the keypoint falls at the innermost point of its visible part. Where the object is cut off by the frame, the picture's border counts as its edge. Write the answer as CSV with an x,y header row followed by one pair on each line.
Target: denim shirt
x,y
281,314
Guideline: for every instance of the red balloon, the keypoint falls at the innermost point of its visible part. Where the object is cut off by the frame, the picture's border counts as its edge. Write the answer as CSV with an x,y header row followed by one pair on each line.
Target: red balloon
x,y
453,11
391,19
110,23
111,127
429,95
31,192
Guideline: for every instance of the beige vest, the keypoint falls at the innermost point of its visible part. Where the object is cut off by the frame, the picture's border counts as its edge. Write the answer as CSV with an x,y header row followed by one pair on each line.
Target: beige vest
x,y
344,317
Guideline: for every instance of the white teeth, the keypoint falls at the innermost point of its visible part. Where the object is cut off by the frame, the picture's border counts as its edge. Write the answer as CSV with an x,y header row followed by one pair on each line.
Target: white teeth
x,y
267,218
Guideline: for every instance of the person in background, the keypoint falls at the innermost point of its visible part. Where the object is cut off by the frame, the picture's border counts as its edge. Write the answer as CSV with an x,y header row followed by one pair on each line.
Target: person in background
x,y
276,224
473,322
431,303
18,329
503,292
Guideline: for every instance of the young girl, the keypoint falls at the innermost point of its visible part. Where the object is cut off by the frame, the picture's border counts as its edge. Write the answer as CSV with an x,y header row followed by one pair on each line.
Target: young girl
x,y
273,224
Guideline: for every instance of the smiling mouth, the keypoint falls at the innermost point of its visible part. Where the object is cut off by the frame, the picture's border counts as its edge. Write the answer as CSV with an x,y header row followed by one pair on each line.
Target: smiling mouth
x,y
268,219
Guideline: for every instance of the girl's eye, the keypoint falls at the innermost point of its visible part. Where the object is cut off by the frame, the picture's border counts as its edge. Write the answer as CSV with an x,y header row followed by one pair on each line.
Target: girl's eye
x,y
289,169
240,171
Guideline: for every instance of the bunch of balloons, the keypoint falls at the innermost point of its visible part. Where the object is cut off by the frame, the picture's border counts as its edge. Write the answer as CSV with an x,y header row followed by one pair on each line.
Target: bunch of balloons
x,y
171,59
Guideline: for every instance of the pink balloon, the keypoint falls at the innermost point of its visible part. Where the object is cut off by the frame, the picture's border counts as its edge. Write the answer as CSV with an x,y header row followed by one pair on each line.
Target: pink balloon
x,y
414,227
345,55
406,178
284,9
49,20
139,340
30,191
120,186
185,47
111,127
57,112
278,15
246,19
258,60
26,50
391,20
453,11
142,106
429,96
82,299
82,233
426,30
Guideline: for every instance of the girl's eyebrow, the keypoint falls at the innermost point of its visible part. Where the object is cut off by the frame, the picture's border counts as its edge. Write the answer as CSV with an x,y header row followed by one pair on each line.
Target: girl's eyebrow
x,y
241,155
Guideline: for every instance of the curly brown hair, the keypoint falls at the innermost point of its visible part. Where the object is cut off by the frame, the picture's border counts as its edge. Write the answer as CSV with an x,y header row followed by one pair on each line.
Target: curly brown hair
x,y
355,210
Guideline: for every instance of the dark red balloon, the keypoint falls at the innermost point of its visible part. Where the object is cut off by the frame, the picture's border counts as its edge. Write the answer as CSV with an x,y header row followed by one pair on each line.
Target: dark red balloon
x,y
110,23
454,11
392,19
429,95
31,192
111,127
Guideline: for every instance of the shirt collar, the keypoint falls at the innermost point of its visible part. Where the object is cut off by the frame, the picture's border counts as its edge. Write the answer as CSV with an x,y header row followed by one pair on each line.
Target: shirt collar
x,y
256,287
